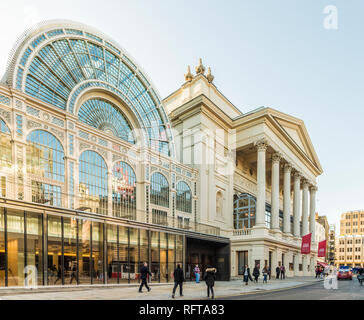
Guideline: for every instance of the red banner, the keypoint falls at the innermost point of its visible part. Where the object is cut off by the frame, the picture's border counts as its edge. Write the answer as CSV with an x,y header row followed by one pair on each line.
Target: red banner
x,y
306,244
322,249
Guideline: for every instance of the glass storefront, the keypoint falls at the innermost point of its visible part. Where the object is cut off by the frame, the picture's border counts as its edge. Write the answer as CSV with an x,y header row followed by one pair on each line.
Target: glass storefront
x,y
80,250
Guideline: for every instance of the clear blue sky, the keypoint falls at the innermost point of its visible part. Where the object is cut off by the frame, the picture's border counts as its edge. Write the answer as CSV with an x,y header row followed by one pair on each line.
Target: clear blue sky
x,y
273,53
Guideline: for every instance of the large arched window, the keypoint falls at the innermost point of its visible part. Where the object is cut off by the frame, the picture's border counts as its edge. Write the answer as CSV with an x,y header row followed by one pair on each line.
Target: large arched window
x,y
183,197
45,159
93,182
5,146
124,191
244,211
104,116
159,190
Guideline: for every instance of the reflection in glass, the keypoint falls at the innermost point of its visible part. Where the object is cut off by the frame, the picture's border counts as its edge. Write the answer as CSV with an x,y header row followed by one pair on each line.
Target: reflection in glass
x,y
45,158
171,255
159,191
163,257
133,253
93,183
113,265
54,242
143,249
70,250
183,197
84,232
15,233
244,211
155,266
124,253
5,147
2,248
34,223
124,191
97,252
179,250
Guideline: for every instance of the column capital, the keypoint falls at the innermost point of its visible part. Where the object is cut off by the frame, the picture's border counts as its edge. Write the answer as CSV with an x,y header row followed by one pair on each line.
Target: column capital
x,y
297,175
313,188
276,157
288,167
306,183
261,144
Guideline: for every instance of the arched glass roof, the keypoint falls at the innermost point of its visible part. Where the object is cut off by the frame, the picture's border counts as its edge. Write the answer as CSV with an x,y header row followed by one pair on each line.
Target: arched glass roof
x,y
57,61
3,127
104,116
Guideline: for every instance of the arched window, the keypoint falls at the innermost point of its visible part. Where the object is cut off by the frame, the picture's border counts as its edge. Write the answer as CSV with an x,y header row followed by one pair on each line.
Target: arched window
x,y
104,116
93,182
159,190
45,159
5,146
124,191
183,197
244,211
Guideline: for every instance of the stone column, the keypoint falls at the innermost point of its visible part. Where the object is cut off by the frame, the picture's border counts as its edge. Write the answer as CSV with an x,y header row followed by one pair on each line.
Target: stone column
x,y
276,158
287,199
261,146
296,204
109,193
312,212
305,208
304,265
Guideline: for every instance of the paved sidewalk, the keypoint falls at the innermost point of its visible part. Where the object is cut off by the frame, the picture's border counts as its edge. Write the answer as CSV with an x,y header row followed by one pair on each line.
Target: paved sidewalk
x,y
158,292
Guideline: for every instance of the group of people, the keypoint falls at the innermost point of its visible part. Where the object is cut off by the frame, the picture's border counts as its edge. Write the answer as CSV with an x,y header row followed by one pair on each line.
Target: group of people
x,y
178,275
280,273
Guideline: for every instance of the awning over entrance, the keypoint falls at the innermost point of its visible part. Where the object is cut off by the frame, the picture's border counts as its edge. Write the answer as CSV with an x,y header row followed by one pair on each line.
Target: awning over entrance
x,y
322,264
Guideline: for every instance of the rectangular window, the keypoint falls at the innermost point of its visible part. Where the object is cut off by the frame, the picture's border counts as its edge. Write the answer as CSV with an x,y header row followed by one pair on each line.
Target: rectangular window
x,y
159,217
3,186
54,250
113,265
2,248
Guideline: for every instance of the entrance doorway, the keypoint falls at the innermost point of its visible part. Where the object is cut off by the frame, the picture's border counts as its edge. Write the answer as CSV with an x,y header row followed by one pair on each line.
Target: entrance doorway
x,y
242,261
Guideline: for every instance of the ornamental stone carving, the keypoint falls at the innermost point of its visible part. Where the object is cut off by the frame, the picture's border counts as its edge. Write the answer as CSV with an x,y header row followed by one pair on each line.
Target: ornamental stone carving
x,y
287,167
32,124
276,157
6,115
84,145
58,133
261,145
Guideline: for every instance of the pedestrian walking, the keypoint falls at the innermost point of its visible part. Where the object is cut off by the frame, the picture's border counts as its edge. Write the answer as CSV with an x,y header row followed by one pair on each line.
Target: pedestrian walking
x,y
178,280
256,273
59,274
197,273
144,271
210,276
317,271
265,274
278,271
269,272
73,273
283,271
246,273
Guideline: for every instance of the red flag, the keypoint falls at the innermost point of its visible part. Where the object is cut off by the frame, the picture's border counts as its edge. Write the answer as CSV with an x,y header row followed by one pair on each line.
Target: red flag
x,y
322,249
306,244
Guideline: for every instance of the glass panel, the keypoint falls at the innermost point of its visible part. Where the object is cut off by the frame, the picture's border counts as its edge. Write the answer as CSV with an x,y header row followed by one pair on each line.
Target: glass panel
x,y
2,248
155,255
183,197
70,250
159,191
97,252
5,147
124,191
15,229
143,249
123,253
54,250
35,243
84,251
93,182
163,257
113,265
171,255
179,249
133,253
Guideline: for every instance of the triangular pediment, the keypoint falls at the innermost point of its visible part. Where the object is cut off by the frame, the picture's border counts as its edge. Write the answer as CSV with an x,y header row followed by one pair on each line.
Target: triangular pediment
x,y
296,131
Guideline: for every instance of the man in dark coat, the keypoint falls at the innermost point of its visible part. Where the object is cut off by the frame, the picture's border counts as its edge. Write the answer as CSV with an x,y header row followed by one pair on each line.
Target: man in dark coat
x,y
178,280
210,276
144,271
256,273
278,271
247,275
